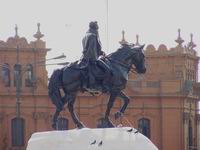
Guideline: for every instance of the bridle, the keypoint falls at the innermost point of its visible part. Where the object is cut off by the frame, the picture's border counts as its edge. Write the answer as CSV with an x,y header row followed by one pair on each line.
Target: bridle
x,y
123,64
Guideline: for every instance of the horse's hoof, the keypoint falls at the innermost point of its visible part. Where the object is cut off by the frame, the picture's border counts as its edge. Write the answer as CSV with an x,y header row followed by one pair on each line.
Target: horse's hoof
x,y
80,125
53,126
118,115
108,123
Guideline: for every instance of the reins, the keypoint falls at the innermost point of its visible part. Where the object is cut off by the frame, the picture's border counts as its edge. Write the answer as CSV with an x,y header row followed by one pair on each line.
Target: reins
x,y
129,67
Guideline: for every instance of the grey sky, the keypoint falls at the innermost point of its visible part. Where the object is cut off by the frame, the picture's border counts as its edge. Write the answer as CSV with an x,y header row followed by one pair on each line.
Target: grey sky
x,y
64,22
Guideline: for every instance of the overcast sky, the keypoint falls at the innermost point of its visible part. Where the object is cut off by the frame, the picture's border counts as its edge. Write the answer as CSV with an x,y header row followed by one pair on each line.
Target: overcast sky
x,y
64,22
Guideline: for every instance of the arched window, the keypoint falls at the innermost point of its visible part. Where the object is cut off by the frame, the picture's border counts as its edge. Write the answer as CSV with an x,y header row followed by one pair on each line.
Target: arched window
x,y
29,75
5,73
144,126
17,74
62,123
190,136
17,127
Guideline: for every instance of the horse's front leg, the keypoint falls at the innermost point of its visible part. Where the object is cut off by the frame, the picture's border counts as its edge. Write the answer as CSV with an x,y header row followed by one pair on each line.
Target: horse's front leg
x,y
73,114
107,122
110,104
126,100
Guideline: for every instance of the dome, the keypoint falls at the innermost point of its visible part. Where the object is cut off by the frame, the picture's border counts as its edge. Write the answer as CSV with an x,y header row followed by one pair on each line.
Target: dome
x,y
162,47
2,44
150,48
21,42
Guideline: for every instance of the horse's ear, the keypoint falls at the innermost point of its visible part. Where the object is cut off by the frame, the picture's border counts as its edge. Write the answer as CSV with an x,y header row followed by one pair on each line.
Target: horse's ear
x,y
141,47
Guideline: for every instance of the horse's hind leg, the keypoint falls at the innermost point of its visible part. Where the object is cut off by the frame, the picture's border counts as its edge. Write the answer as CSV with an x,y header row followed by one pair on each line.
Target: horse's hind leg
x,y
75,119
62,102
55,119
123,108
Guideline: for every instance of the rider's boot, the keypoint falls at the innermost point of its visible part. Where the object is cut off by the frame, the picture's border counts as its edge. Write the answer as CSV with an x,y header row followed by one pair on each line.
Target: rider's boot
x,y
91,84
107,75
84,81
106,82
105,85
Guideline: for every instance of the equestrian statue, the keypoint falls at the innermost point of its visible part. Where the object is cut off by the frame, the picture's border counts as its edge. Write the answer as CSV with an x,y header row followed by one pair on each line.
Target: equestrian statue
x,y
95,72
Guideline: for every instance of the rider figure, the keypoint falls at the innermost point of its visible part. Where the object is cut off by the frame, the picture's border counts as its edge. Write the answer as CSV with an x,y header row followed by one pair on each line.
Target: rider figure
x,y
91,52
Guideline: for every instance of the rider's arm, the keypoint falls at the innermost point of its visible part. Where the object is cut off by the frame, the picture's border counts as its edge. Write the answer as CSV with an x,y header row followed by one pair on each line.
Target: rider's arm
x,y
92,47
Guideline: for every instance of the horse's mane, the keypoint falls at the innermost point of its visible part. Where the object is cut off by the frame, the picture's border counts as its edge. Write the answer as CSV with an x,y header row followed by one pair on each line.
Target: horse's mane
x,y
120,53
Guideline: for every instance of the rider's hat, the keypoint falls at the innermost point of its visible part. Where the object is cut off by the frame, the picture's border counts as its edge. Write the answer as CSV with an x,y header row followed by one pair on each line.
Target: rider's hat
x,y
93,25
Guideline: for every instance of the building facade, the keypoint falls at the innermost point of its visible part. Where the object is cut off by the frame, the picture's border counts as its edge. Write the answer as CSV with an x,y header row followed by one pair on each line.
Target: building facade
x,y
169,94
23,90
163,105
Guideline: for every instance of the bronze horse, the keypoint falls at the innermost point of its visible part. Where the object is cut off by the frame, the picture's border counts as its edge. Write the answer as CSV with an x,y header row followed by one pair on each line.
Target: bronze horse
x,y
69,79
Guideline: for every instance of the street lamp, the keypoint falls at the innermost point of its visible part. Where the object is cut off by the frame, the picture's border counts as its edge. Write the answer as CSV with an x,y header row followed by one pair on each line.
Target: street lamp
x,y
18,79
18,73
57,57
61,64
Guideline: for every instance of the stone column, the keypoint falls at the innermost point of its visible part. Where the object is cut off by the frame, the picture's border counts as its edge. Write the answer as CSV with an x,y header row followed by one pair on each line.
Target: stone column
x,y
3,137
198,131
186,117
1,133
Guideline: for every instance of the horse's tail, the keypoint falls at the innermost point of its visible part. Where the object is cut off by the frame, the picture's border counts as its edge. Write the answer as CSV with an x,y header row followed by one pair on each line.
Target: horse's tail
x,y
55,84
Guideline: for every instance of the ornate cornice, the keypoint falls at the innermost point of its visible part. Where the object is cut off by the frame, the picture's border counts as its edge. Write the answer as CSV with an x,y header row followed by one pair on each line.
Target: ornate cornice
x,y
21,42
175,51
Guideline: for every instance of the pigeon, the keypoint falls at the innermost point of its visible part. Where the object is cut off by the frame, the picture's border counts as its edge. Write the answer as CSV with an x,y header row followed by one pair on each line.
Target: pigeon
x,y
136,131
100,143
93,142
130,130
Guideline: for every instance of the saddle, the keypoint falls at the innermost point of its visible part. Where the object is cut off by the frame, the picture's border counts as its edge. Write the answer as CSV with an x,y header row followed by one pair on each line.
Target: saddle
x,y
97,68
98,71
77,65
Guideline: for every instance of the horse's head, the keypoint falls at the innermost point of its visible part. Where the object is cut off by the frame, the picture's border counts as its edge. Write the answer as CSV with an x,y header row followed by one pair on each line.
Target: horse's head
x,y
138,59
128,55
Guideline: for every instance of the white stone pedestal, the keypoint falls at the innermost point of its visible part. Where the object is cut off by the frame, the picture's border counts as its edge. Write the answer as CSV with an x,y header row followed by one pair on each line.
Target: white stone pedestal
x,y
91,139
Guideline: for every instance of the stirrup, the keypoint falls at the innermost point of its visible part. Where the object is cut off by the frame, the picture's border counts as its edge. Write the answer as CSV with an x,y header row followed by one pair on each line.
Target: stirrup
x,y
92,91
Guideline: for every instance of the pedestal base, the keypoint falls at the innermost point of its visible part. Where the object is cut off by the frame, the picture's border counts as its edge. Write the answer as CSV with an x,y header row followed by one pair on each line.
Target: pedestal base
x,y
125,138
